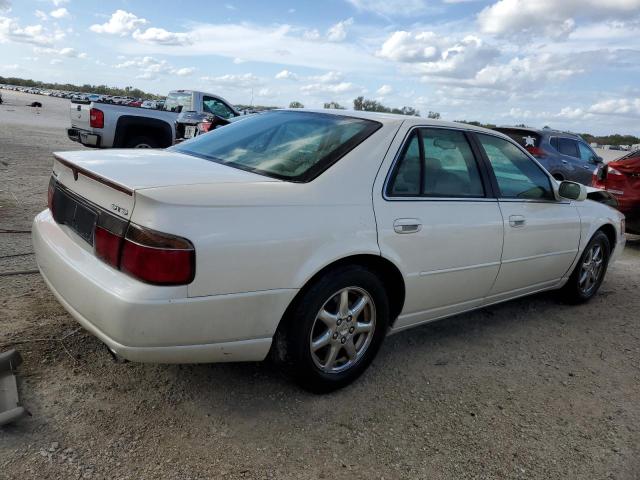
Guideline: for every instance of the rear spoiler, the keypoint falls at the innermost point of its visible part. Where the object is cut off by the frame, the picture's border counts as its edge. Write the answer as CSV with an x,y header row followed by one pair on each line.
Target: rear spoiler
x,y
93,176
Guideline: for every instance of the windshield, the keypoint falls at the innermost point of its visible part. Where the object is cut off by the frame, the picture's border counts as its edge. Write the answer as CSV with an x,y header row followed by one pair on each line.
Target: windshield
x,y
178,101
296,146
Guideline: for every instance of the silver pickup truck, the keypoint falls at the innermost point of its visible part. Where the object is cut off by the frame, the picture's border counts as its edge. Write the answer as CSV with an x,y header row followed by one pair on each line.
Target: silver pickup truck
x,y
103,125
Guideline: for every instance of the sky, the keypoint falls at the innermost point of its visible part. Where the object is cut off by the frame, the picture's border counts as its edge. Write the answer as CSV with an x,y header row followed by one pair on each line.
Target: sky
x,y
569,64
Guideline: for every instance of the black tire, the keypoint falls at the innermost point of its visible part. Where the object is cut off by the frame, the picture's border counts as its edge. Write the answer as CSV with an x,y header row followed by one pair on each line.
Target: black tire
x,y
575,291
292,348
141,141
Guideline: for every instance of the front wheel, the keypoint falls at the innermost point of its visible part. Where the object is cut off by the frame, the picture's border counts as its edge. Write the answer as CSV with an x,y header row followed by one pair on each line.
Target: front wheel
x,y
589,272
334,330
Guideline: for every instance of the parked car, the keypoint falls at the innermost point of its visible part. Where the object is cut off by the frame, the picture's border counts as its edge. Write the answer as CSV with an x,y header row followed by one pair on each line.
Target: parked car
x,y
621,178
216,112
566,156
121,126
149,104
310,234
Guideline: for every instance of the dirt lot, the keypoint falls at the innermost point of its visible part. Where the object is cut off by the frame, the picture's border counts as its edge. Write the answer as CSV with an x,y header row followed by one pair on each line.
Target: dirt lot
x,y
530,389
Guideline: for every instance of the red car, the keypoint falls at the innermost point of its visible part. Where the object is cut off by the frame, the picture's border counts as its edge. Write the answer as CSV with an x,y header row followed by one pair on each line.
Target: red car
x,y
621,178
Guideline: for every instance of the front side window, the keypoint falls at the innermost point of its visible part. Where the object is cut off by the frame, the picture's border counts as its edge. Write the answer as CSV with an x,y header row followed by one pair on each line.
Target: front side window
x,y
518,176
217,107
567,146
295,146
436,163
586,154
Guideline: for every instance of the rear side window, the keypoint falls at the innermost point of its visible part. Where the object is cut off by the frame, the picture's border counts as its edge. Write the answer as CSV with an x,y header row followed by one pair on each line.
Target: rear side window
x,y
295,146
517,175
179,101
437,163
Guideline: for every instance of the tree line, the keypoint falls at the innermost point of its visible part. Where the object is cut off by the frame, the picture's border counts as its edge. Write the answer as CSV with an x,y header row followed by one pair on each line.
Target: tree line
x,y
86,88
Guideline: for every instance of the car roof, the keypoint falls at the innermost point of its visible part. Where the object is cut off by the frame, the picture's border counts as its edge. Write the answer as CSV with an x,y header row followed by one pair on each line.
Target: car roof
x,y
541,131
397,119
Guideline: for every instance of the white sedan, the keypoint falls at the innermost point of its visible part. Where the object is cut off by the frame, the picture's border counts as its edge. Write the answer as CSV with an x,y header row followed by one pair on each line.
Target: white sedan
x,y
311,235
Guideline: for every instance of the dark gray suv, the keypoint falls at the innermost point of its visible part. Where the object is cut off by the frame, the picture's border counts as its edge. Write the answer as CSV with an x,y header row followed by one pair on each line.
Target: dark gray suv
x,y
566,156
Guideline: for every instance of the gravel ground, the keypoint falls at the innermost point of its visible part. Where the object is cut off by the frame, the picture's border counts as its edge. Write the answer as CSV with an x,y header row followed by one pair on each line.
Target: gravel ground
x,y
530,389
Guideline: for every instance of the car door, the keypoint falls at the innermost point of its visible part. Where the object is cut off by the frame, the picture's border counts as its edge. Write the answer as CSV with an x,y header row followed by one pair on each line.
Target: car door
x,y
217,107
439,222
589,163
541,234
570,158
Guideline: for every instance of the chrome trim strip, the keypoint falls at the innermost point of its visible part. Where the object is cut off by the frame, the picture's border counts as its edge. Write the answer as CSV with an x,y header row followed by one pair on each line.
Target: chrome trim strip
x,y
459,269
533,257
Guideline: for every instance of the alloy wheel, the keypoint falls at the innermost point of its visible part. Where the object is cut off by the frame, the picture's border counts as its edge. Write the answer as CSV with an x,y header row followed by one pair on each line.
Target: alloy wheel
x,y
342,330
591,269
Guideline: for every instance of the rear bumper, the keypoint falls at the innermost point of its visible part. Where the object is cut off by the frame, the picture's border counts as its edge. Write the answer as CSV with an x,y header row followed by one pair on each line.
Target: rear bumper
x,y
85,138
147,323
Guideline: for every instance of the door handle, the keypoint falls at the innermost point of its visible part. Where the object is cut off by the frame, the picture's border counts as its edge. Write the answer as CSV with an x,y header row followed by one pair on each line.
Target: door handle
x,y
407,225
565,162
587,167
517,221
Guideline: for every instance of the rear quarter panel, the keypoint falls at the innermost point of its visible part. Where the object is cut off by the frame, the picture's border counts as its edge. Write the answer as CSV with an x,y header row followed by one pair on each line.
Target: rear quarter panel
x,y
271,235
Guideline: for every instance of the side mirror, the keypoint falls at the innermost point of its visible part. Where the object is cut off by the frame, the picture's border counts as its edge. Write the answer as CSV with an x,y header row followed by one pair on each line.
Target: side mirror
x,y
572,191
595,159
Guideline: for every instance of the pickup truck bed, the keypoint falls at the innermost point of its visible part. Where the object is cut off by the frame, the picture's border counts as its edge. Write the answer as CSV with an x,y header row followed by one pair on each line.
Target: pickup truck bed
x,y
104,125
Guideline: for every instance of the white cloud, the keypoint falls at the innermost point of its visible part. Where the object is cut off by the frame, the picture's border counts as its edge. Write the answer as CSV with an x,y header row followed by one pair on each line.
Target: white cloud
x,y
68,52
246,80
55,61
59,13
184,72
10,66
329,77
390,7
160,36
313,34
5,5
10,30
552,18
532,72
57,3
384,90
431,54
624,107
150,68
121,23
286,75
405,46
317,88
41,15
338,32
282,44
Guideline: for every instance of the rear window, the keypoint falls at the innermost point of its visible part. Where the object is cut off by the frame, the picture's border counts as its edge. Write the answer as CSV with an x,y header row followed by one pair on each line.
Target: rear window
x,y
294,146
178,101
525,138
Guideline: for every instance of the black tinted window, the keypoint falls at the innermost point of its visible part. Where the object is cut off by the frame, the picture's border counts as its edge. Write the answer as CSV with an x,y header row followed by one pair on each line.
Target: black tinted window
x,y
283,144
407,177
518,175
566,146
442,166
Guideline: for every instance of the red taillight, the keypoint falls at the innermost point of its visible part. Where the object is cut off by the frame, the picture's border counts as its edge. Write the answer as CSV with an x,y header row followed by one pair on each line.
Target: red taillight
x,y
536,152
107,246
96,118
157,258
204,127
